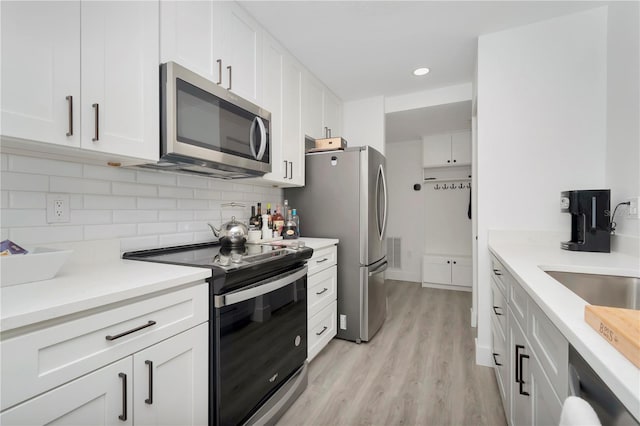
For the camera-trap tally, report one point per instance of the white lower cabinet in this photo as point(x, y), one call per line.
point(447, 270)
point(322, 305)
point(142, 363)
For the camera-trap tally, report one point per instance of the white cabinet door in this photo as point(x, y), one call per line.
point(312, 106)
point(519, 351)
point(436, 151)
point(171, 386)
point(461, 271)
point(102, 397)
point(240, 41)
point(187, 36)
point(461, 148)
point(332, 113)
point(436, 269)
point(40, 70)
point(292, 137)
point(272, 95)
point(120, 78)
point(547, 407)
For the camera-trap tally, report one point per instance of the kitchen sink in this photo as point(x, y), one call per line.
point(604, 290)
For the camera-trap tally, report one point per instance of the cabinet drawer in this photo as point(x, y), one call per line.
point(40, 360)
point(499, 307)
point(497, 272)
point(519, 302)
point(322, 328)
point(321, 290)
point(500, 361)
point(551, 349)
point(322, 259)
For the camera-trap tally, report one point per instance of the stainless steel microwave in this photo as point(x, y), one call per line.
point(207, 129)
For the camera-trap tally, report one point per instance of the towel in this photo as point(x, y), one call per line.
point(577, 412)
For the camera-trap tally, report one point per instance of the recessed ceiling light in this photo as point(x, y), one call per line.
point(421, 71)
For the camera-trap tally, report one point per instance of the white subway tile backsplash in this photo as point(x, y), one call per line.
point(139, 243)
point(79, 185)
point(242, 187)
point(203, 237)
point(192, 226)
point(4, 234)
point(220, 185)
point(204, 215)
point(135, 216)
point(156, 228)
point(193, 181)
point(175, 192)
point(76, 201)
point(175, 215)
point(24, 182)
point(90, 217)
point(24, 217)
point(4, 199)
point(231, 196)
point(193, 204)
point(118, 188)
point(207, 194)
point(4, 163)
point(40, 235)
point(26, 200)
point(156, 178)
point(100, 232)
point(156, 203)
point(92, 171)
point(108, 202)
point(42, 166)
point(175, 239)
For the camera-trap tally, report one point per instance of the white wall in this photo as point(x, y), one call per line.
point(143, 209)
point(363, 122)
point(406, 214)
point(623, 111)
point(427, 98)
point(541, 121)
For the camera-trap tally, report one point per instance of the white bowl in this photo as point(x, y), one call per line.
point(39, 264)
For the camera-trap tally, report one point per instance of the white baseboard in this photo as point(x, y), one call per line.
point(446, 287)
point(483, 355)
point(401, 276)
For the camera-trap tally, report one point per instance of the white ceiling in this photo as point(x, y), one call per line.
point(361, 49)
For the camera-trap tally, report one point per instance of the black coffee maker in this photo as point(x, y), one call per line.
point(590, 228)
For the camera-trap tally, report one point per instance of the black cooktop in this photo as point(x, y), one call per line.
point(231, 267)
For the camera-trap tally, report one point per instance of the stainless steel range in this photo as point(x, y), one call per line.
point(257, 326)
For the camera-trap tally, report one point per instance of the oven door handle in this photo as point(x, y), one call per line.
point(260, 288)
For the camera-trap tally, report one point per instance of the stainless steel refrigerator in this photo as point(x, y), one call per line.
point(345, 197)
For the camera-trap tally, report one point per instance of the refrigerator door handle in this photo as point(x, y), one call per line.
point(381, 180)
point(381, 268)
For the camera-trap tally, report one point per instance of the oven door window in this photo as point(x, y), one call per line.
point(206, 121)
point(263, 341)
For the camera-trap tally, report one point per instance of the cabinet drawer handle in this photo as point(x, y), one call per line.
point(123, 416)
point(521, 380)
point(229, 68)
point(70, 104)
point(322, 260)
point(323, 291)
point(133, 330)
point(96, 114)
point(323, 330)
point(497, 271)
point(286, 169)
point(495, 310)
point(219, 61)
point(150, 399)
point(495, 361)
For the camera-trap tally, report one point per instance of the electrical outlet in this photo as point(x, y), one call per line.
point(57, 208)
point(632, 210)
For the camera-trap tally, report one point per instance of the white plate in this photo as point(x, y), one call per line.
point(39, 264)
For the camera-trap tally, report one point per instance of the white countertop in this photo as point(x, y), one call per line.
point(88, 284)
point(319, 243)
point(527, 263)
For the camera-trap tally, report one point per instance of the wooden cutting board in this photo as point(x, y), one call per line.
point(620, 327)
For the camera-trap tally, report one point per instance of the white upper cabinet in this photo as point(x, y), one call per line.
point(332, 113)
point(292, 137)
point(120, 78)
point(312, 106)
point(187, 36)
point(41, 71)
point(447, 150)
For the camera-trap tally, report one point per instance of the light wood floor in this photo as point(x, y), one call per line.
point(418, 370)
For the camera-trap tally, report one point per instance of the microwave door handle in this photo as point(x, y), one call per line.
point(252, 141)
point(263, 139)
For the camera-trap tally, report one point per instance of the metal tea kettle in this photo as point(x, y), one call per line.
point(231, 233)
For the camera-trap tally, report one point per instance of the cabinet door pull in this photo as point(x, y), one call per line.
point(454, 262)
point(516, 361)
point(322, 260)
point(150, 399)
point(521, 380)
point(229, 68)
point(96, 114)
point(495, 361)
point(70, 105)
point(448, 161)
point(495, 310)
point(219, 61)
point(123, 416)
point(326, 132)
point(323, 291)
point(454, 161)
point(448, 262)
point(290, 169)
point(133, 330)
point(323, 330)
point(286, 169)
point(497, 272)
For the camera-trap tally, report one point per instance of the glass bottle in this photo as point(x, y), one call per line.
point(296, 219)
point(259, 215)
point(253, 220)
point(278, 221)
point(270, 223)
point(290, 230)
